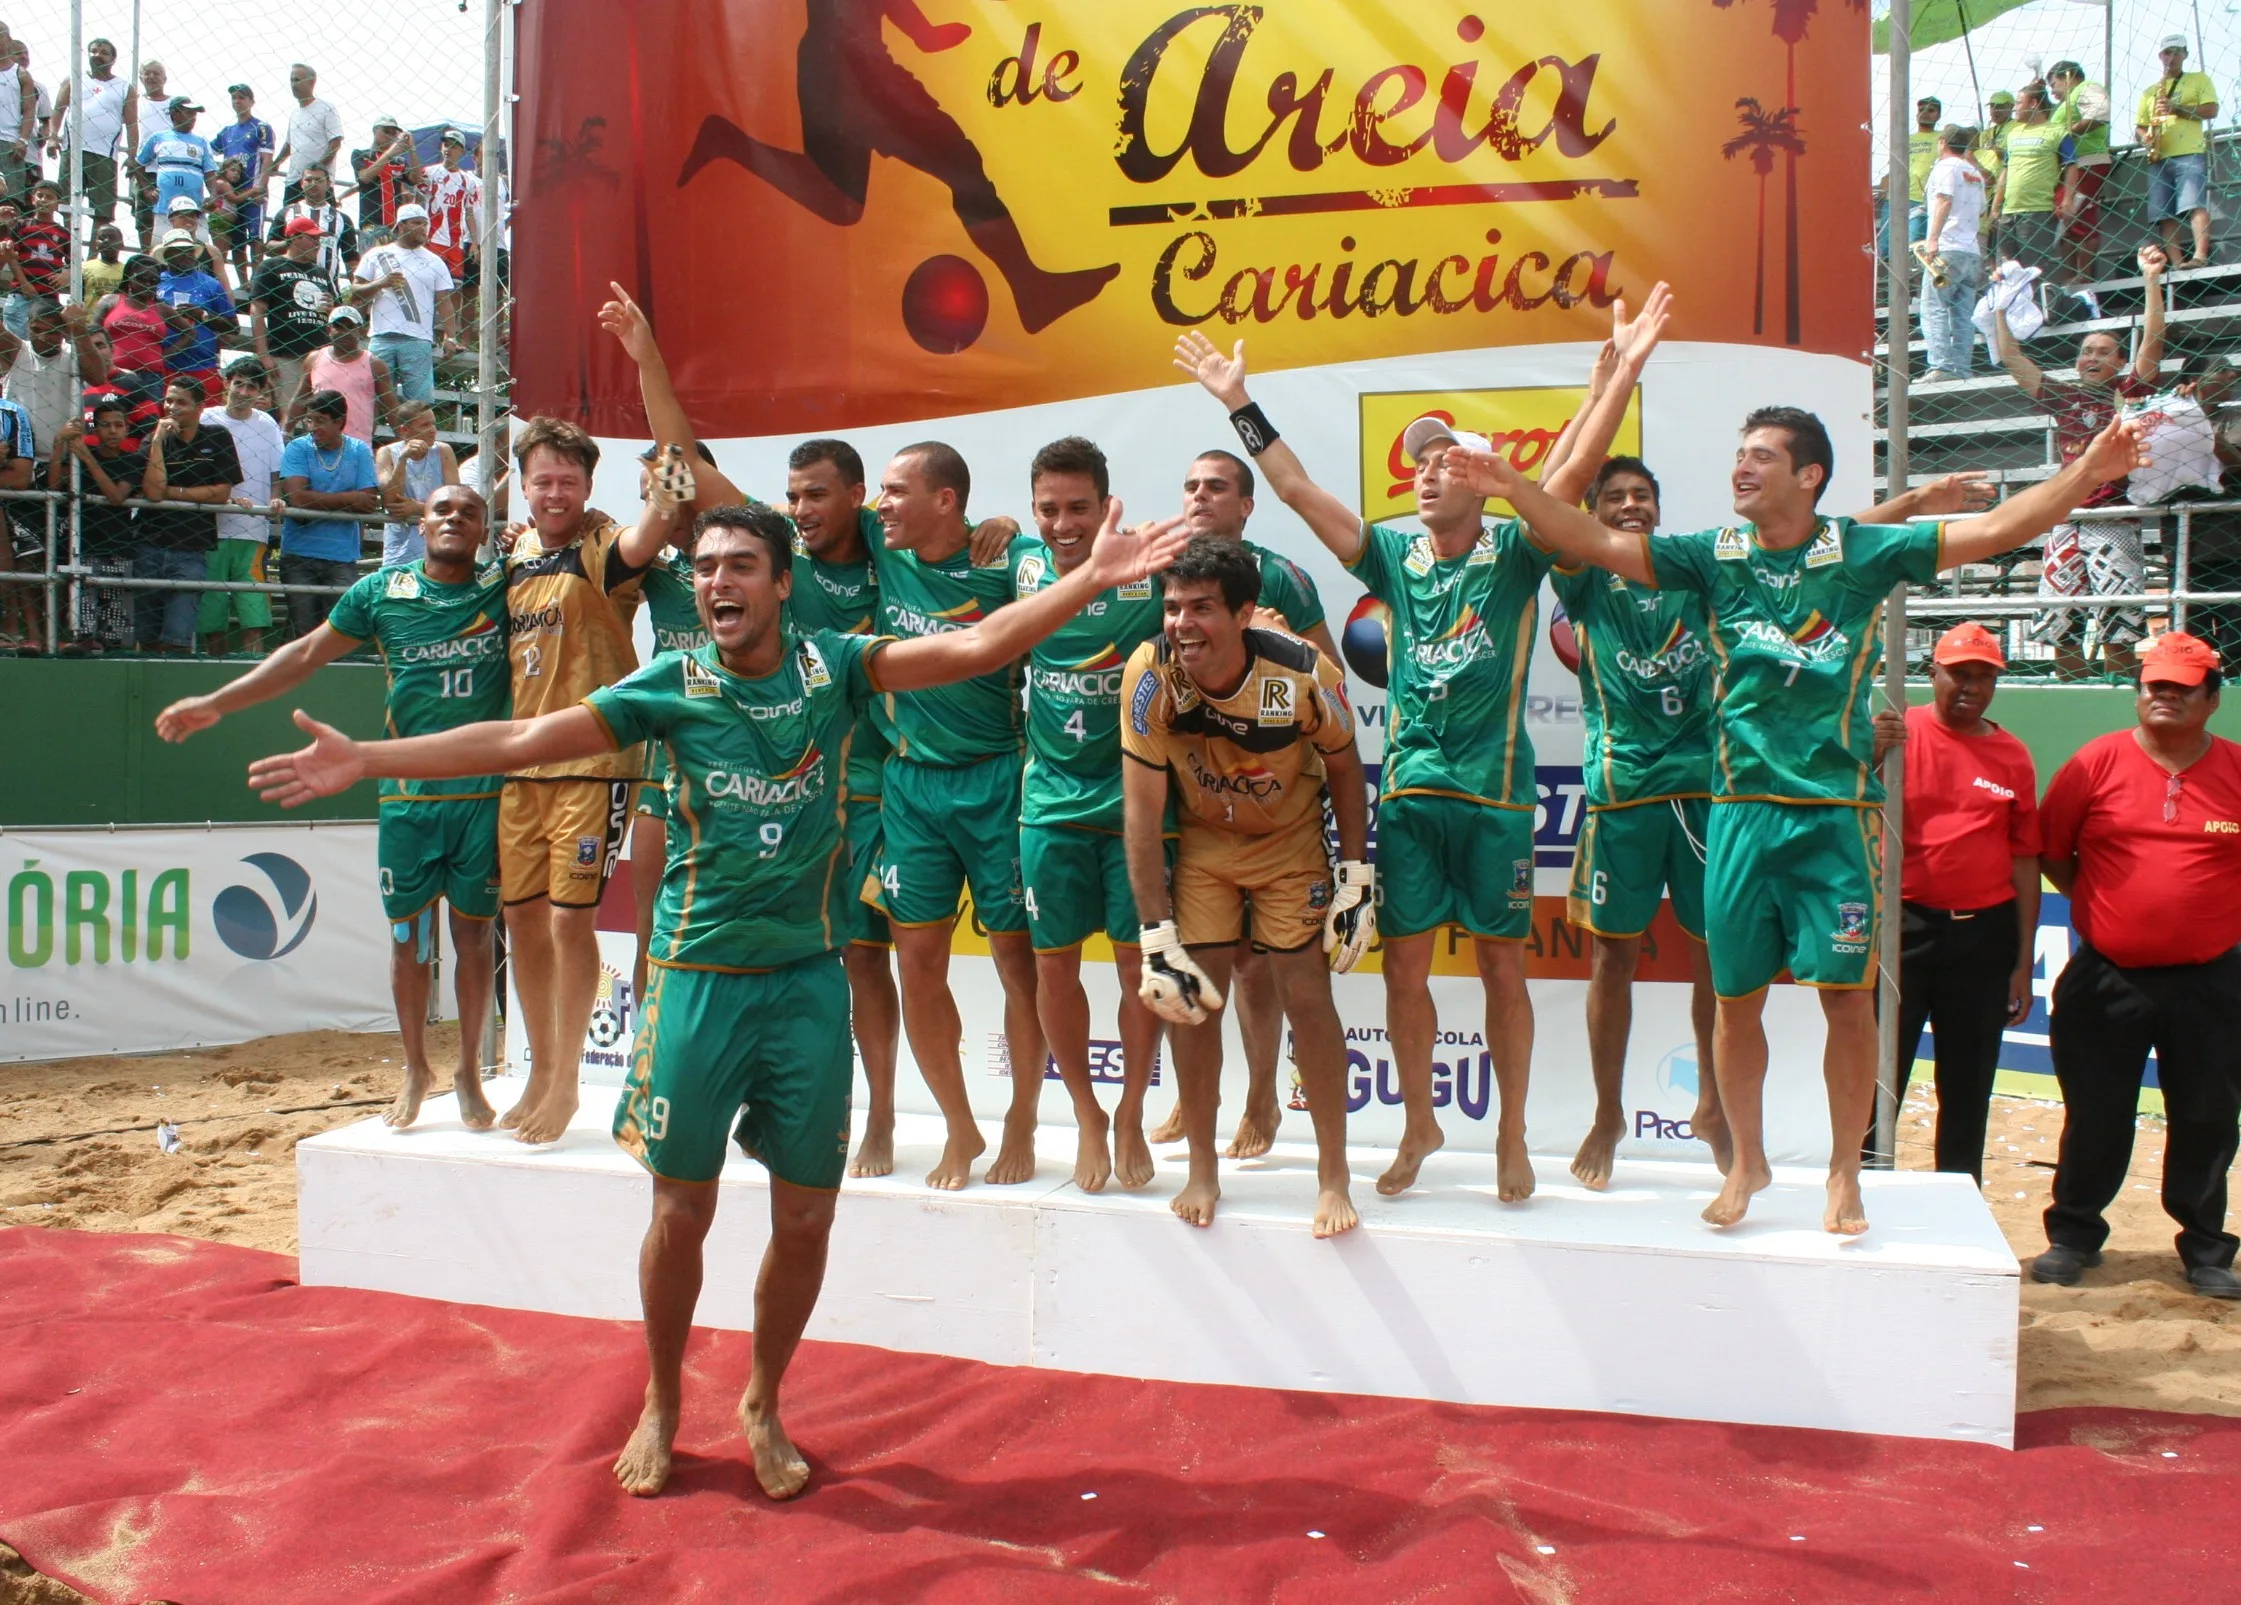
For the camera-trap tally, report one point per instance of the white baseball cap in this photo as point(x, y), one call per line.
point(182, 203)
point(1430, 429)
point(2172, 41)
point(412, 213)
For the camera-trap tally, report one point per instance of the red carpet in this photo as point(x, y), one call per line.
point(180, 1421)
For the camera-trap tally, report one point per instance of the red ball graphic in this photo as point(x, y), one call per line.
point(945, 304)
point(1560, 636)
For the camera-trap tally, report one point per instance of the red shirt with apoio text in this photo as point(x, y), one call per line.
point(1972, 809)
point(2149, 891)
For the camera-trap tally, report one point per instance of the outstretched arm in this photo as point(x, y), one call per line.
point(1335, 524)
point(669, 502)
point(2115, 452)
point(283, 671)
point(1576, 537)
point(1117, 558)
point(665, 415)
point(333, 762)
point(1631, 344)
point(1940, 498)
point(1568, 438)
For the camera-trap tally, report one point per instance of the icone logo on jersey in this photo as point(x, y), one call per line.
point(802, 783)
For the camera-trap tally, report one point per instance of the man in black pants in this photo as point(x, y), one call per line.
point(2142, 830)
point(1970, 885)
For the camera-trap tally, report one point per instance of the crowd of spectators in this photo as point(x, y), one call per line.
point(281, 302)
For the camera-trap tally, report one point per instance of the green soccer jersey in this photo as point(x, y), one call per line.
point(974, 719)
point(844, 598)
point(759, 863)
point(1073, 697)
point(1795, 639)
point(1286, 589)
point(1460, 643)
point(668, 589)
point(1645, 685)
point(445, 649)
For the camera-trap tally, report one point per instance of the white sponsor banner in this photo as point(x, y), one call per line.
point(138, 941)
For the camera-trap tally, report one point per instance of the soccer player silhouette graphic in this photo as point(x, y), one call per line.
point(857, 99)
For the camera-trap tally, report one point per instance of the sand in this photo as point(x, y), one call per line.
point(2132, 1334)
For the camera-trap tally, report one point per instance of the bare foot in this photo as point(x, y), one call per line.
point(643, 1466)
point(779, 1466)
point(1195, 1203)
point(1735, 1197)
point(1592, 1164)
point(512, 1118)
point(475, 1112)
point(1513, 1170)
point(1400, 1175)
point(1256, 1133)
point(405, 1108)
point(1170, 1129)
point(875, 1155)
point(1093, 1160)
point(548, 1122)
point(1847, 1213)
point(1015, 1158)
point(1132, 1156)
point(955, 1168)
point(1334, 1212)
point(1711, 1127)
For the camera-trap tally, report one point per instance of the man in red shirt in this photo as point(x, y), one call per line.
point(2142, 831)
point(1969, 885)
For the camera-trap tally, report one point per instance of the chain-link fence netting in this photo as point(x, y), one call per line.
point(2068, 201)
point(294, 212)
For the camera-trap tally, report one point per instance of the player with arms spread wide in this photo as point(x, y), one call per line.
point(1794, 846)
point(748, 1012)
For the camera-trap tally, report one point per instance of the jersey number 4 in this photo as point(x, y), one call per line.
point(1074, 726)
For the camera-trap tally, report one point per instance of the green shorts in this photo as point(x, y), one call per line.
point(944, 830)
point(1630, 858)
point(1076, 885)
point(239, 561)
point(1451, 861)
point(443, 848)
point(866, 925)
point(1791, 884)
point(769, 1046)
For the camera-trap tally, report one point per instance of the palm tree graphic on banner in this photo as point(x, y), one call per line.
point(1764, 133)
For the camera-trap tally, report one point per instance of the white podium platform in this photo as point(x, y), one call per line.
point(1618, 1301)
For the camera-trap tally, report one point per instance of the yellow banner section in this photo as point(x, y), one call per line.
point(1522, 424)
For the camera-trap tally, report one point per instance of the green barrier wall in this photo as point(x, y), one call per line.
point(82, 748)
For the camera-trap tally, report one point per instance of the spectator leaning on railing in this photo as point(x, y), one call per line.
point(323, 471)
point(2169, 128)
point(1951, 252)
point(243, 536)
point(2142, 832)
point(19, 548)
point(2102, 556)
point(412, 468)
point(186, 463)
point(46, 372)
point(111, 473)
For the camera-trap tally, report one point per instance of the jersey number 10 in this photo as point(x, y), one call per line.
point(457, 682)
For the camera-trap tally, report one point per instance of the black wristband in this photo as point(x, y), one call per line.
point(1253, 428)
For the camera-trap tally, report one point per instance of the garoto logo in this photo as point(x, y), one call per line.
point(250, 923)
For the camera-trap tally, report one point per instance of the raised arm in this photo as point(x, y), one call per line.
point(665, 415)
point(283, 671)
point(2115, 452)
point(1577, 537)
point(1336, 525)
point(1631, 344)
point(2147, 362)
point(1568, 438)
point(669, 502)
point(333, 762)
point(2020, 368)
point(1117, 558)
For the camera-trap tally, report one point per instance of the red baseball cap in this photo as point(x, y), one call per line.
point(2178, 657)
point(1969, 643)
point(301, 225)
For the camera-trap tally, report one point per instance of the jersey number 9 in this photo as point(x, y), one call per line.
point(773, 836)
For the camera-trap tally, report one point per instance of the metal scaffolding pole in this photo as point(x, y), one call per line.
point(1896, 329)
point(489, 452)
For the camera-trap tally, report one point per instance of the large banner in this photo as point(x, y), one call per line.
point(987, 221)
point(142, 941)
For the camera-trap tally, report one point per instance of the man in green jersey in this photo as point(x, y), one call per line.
point(747, 1016)
point(439, 624)
point(1072, 857)
point(949, 817)
point(1794, 844)
point(1218, 500)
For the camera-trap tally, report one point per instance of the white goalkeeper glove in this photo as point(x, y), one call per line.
point(1351, 925)
point(1173, 987)
point(673, 484)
